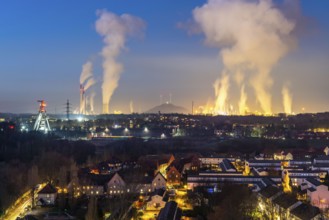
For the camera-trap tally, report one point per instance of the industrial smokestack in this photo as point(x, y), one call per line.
point(253, 37)
point(114, 29)
point(82, 92)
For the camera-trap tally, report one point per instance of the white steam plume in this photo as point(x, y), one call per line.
point(87, 72)
point(86, 81)
point(252, 35)
point(131, 106)
point(287, 100)
point(114, 30)
point(91, 102)
point(89, 83)
point(221, 87)
point(243, 101)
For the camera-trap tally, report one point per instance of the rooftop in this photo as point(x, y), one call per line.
point(170, 212)
point(305, 211)
point(285, 200)
point(322, 157)
point(313, 181)
point(48, 189)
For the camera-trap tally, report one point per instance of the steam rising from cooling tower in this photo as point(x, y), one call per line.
point(253, 36)
point(221, 91)
point(131, 106)
point(90, 102)
point(86, 81)
point(287, 100)
point(114, 29)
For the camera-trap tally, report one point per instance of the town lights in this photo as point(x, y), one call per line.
point(146, 130)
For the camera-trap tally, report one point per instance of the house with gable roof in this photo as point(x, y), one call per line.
point(156, 200)
point(47, 195)
point(159, 182)
point(116, 185)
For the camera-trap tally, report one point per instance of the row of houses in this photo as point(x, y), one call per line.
point(148, 174)
point(279, 205)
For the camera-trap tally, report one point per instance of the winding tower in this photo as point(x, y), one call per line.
point(42, 124)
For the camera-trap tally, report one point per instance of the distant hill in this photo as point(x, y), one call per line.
point(168, 108)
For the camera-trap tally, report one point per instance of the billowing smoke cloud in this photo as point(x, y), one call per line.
point(287, 100)
point(114, 30)
point(253, 36)
point(86, 81)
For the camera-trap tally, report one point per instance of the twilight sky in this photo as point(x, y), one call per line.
point(43, 45)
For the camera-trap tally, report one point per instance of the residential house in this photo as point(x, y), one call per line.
point(116, 185)
point(317, 193)
point(173, 176)
point(159, 182)
point(156, 200)
point(90, 184)
point(47, 195)
point(136, 180)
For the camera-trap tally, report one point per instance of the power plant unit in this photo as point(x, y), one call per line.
point(42, 124)
point(82, 100)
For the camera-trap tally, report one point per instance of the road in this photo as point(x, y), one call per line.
point(20, 204)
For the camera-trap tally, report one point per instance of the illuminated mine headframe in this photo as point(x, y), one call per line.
point(41, 123)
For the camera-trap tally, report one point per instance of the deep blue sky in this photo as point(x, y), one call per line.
point(43, 45)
